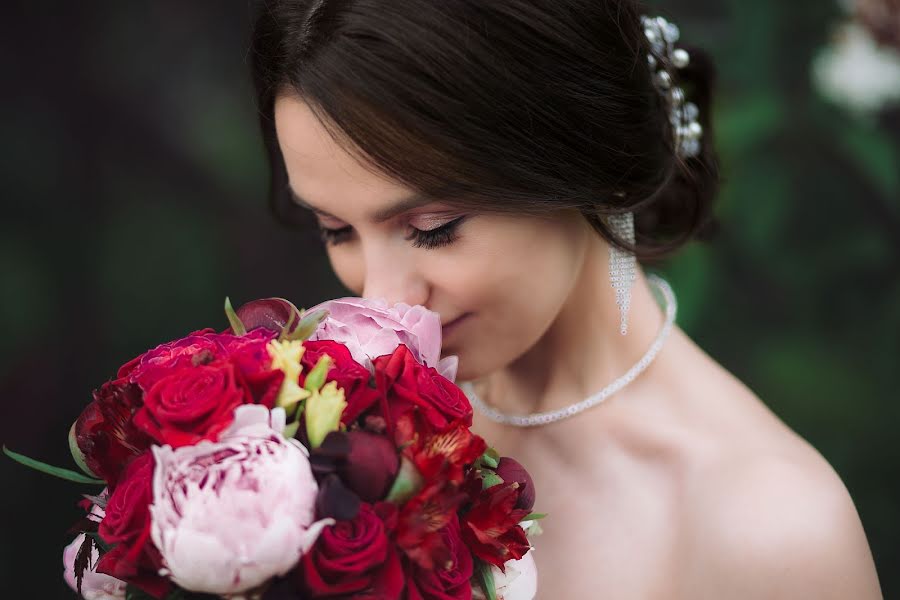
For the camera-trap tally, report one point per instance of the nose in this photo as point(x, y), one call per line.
point(395, 280)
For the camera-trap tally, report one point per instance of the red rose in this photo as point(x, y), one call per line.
point(191, 404)
point(126, 524)
point(105, 432)
point(199, 347)
point(263, 386)
point(491, 527)
point(350, 376)
point(405, 383)
point(449, 581)
point(353, 557)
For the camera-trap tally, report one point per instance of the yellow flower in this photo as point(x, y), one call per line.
point(286, 357)
point(323, 412)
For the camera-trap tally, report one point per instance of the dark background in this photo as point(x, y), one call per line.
point(134, 201)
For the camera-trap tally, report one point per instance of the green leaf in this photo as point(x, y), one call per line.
point(490, 458)
point(290, 430)
point(534, 516)
point(486, 579)
point(490, 479)
point(407, 482)
point(308, 325)
point(285, 331)
point(236, 324)
point(50, 469)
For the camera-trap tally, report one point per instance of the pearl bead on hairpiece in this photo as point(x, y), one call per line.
point(663, 59)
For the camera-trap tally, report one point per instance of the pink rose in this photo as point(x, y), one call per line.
point(372, 328)
point(94, 586)
point(228, 516)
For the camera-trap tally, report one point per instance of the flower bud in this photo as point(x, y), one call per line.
point(372, 465)
point(510, 470)
point(77, 454)
point(271, 313)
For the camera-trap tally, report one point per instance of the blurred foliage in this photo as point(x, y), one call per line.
point(134, 203)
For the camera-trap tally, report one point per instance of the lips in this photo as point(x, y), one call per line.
point(454, 323)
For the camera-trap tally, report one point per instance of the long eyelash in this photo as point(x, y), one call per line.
point(433, 238)
point(334, 236)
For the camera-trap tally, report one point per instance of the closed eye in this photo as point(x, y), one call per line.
point(431, 238)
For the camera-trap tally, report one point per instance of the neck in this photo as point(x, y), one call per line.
point(583, 350)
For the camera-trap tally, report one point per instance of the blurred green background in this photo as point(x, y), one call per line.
point(134, 201)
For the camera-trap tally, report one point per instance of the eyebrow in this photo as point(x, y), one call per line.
point(379, 216)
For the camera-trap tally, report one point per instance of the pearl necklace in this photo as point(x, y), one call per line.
point(542, 418)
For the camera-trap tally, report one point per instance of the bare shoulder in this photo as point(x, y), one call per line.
point(776, 525)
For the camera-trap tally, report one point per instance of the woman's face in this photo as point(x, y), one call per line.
point(507, 276)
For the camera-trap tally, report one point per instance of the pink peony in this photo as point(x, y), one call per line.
point(94, 586)
point(227, 516)
point(372, 328)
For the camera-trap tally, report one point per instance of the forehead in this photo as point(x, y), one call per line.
point(320, 170)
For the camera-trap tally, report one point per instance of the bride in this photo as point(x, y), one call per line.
point(511, 164)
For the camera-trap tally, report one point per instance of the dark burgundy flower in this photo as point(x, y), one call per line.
point(105, 431)
point(510, 470)
point(367, 463)
point(371, 466)
point(335, 500)
point(271, 313)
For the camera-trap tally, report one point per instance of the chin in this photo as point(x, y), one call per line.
point(465, 370)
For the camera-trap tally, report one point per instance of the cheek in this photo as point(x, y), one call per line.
point(524, 272)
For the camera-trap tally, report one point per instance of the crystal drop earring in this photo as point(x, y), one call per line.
point(622, 264)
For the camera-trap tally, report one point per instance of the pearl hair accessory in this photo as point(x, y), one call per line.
point(663, 60)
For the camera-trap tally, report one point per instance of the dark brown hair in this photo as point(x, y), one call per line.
point(523, 106)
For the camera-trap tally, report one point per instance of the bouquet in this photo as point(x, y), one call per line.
point(296, 454)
